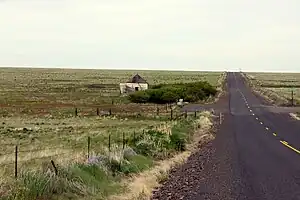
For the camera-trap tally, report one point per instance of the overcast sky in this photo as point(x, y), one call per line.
point(256, 35)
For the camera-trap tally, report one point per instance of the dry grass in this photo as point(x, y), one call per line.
point(142, 185)
point(37, 109)
point(63, 140)
point(58, 91)
point(277, 87)
point(220, 86)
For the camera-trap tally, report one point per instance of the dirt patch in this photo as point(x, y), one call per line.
point(100, 86)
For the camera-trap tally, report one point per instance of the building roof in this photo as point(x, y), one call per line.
point(137, 79)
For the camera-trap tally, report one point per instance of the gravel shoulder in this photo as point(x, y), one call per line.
point(189, 181)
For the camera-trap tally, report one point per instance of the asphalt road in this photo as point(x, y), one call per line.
point(257, 152)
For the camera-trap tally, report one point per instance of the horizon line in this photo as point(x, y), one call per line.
point(142, 69)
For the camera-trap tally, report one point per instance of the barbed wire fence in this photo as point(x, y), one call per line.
point(18, 164)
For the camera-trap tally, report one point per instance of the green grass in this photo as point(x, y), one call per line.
point(76, 181)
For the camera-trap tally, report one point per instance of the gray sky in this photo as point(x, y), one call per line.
point(257, 35)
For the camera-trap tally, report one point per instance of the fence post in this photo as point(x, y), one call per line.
point(97, 111)
point(195, 114)
point(123, 140)
point(76, 112)
point(55, 169)
point(157, 110)
point(110, 111)
point(16, 162)
point(171, 114)
point(292, 97)
point(109, 138)
point(185, 114)
point(88, 147)
point(220, 118)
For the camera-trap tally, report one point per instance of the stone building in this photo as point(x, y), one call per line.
point(136, 83)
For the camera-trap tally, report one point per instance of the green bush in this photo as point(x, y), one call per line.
point(139, 97)
point(178, 141)
point(163, 93)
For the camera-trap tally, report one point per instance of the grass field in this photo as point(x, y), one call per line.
point(278, 86)
point(37, 115)
point(58, 91)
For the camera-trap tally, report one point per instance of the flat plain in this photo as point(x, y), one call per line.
point(37, 109)
point(280, 85)
point(59, 91)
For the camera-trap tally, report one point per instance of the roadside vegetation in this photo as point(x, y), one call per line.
point(278, 88)
point(99, 176)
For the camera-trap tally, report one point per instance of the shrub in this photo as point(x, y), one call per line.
point(139, 97)
point(178, 141)
point(163, 93)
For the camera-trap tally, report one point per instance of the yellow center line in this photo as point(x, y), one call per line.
point(267, 128)
point(289, 146)
point(274, 134)
point(256, 118)
point(261, 123)
point(253, 114)
point(284, 142)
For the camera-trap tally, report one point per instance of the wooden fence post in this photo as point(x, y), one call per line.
point(123, 140)
point(55, 169)
point(171, 114)
point(16, 162)
point(195, 114)
point(185, 114)
point(109, 138)
point(98, 112)
point(157, 110)
point(110, 112)
point(292, 97)
point(88, 147)
point(76, 112)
